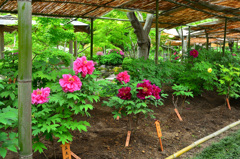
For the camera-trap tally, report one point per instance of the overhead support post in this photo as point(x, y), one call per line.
point(182, 44)
point(24, 78)
point(71, 52)
point(237, 45)
point(207, 39)
point(189, 38)
point(1, 42)
point(224, 40)
point(75, 48)
point(91, 38)
point(157, 43)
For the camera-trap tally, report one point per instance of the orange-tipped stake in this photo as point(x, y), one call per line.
point(120, 113)
point(179, 116)
point(128, 138)
point(229, 107)
point(159, 132)
point(66, 152)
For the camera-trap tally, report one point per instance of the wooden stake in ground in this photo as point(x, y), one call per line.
point(179, 116)
point(128, 138)
point(159, 132)
point(175, 105)
point(67, 153)
point(228, 104)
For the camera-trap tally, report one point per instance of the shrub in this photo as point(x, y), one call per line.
point(111, 59)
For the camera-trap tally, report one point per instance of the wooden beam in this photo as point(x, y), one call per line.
point(91, 38)
point(156, 53)
point(98, 7)
point(24, 78)
point(224, 40)
point(201, 10)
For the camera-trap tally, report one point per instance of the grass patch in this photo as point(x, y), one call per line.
point(227, 148)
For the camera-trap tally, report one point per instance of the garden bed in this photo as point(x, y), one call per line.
point(106, 137)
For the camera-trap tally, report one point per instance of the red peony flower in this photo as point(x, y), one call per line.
point(81, 65)
point(39, 96)
point(194, 53)
point(234, 54)
point(146, 91)
point(123, 76)
point(155, 91)
point(175, 53)
point(70, 83)
point(177, 58)
point(124, 93)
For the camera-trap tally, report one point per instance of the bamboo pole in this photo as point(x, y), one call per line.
point(157, 46)
point(200, 141)
point(71, 52)
point(1, 42)
point(182, 44)
point(24, 78)
point(91, 38)
point(207, 39)
point(224, 40)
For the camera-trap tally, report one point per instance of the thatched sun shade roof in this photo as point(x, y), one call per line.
point(192, 41)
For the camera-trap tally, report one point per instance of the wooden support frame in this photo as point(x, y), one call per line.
point(207, 39)
point(25, 78)
point(189, 38)
point(1, 42)
point(71, 52)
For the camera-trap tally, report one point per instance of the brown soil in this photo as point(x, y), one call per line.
point(106, 137)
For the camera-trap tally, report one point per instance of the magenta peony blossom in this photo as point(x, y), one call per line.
point(70, 83)
point(177, 58)
point(155, 91)
point(100, 53)
point(194, 53)
point(39, 96)
point(146, 91)
point(124, 93)
point(121, 52)
point(175, 53)
point(123, 76)
point(81, 65)
point(234, 54)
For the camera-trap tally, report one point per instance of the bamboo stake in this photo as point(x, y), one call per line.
point(200, 141)
point(1, 42)
point(24, 78)
point(75, 48)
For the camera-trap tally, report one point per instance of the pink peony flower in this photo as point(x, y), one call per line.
point(155, 91)
point(175, 53)
point(39, 96)
point(194, 53)
point(70, 83)
point(234, 54)
point(124, 93)
point(81, 65)
point(121, 52)
point(123, 76)
point(177, 58)
point(146, 91)
point(100, 53)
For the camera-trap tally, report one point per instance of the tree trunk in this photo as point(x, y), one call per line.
point(230, 44)
point(141, 33)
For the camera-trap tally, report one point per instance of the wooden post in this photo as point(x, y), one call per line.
point(14, 42)
point(24, 78)
point(182, 44)
point(156, 54)
point(1, 42)
point(91, 38)
point(224, 40)
point(189, 38)
point(237, 45)
point(71, 52)
point(75, 48)
point(207, 39)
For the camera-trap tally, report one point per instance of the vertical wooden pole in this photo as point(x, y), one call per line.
point(1, 42)
point(71, 52)
point(75, 48)
point(182, 44)
point(24, 78)
point(207, 39)
point(91, 38)
point(156, 54)
point(14, 42)
point(224, 40)
point(189, 38)
point(237, 45)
